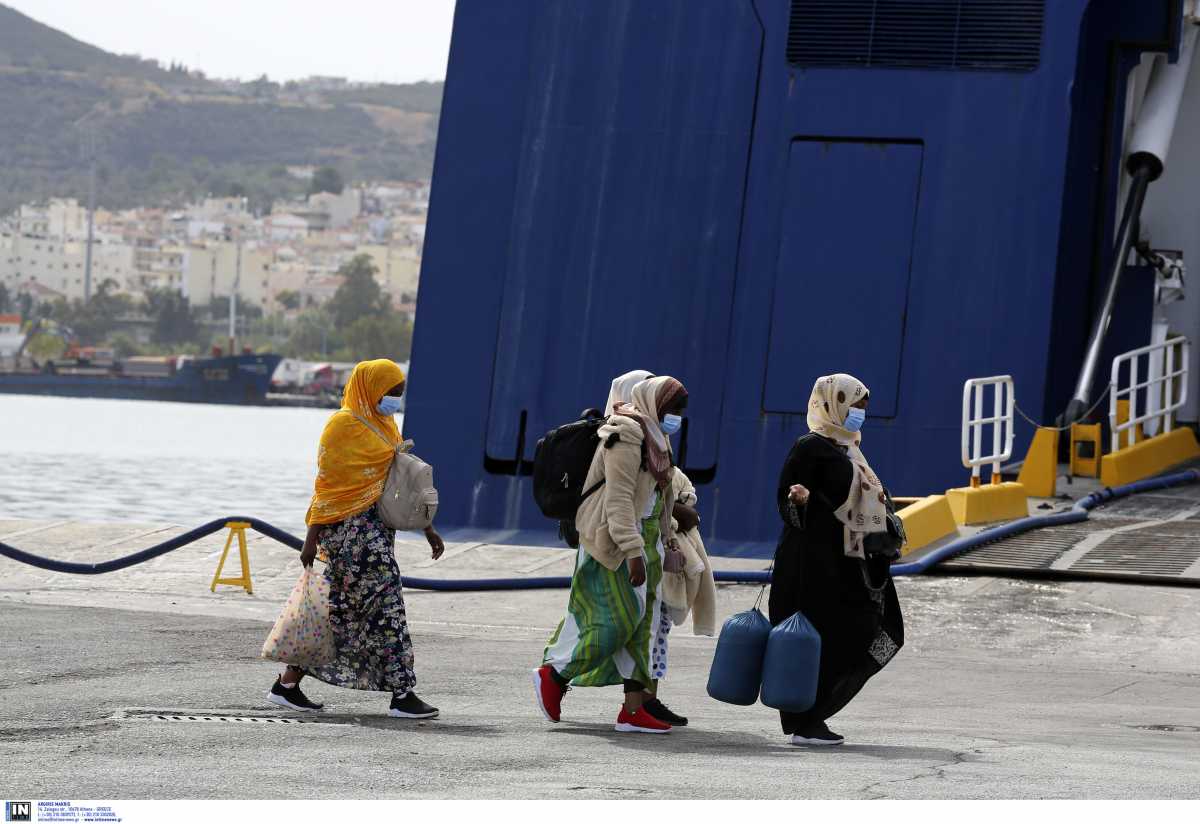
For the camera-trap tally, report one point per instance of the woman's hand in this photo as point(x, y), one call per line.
point(436, 544)
point(308, 553)
point(798, 494)
point(687, 517)
point(637, 571)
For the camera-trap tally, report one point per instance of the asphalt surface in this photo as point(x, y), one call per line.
point(1006, 689)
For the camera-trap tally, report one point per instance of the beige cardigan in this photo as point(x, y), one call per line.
point(694, 589)
point(610, 520)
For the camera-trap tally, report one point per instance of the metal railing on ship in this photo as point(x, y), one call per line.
point(1161, 393)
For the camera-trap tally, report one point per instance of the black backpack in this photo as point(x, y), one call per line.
point(560, 466)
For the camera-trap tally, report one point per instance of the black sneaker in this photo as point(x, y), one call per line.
point(410, 706)
point(292, 698)
point(660, 711)
point(818, 735)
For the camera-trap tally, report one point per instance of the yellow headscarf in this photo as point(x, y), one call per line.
point(353, 461)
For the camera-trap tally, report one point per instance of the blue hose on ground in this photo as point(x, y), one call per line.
point(1079, 512)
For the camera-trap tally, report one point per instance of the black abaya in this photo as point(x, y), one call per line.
point(860, 623)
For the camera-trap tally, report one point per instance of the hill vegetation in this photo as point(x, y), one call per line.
point(170, 135)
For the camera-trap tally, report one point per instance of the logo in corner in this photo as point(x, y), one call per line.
point(18, 811)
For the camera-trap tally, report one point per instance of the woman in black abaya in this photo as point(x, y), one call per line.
point(830, 501)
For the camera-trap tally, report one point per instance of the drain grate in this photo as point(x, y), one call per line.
point(1165, 727)
point(236, 719)
point(220, 717)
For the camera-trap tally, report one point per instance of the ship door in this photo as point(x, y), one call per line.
point(625, 220)
point(842, 282)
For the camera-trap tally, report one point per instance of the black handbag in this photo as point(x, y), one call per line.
point(886, 544)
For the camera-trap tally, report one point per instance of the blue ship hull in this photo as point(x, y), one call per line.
point(243, 379)
point(677, 186)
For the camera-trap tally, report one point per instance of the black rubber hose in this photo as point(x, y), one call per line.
point(1077, 513)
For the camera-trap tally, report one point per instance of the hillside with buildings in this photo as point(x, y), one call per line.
point(302, 199)
point(171, 135)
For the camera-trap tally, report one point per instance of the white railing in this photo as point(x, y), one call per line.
point(1161, 393)
point(975, 419)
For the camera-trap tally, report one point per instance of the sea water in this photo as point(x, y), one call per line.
point(155, 462)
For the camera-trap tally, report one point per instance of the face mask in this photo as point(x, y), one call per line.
point(854, 419)
point(390, 405)
point(670, 424)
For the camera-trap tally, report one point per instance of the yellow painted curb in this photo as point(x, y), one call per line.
point(988, 503)
point(927, 520)
point(1148, 457)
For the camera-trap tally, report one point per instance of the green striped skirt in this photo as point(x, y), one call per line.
point(605, 636)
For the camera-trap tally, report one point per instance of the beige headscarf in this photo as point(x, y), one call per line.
point(650, 398)
point(622, 389)
point(865, 510)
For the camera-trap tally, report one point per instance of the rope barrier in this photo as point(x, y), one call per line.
point(1078, 512)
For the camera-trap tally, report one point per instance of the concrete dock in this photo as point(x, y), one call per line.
point(143, 684)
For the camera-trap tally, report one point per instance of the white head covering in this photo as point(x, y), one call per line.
point(622, 388)
point(650, 396)
point(865, 510)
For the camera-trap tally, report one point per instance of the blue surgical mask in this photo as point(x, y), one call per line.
point(855, 419)
point(390, 405)
point(671, 423)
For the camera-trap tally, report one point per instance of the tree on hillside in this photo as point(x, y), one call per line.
point(25, 305)
point(174, 321)
point(382, 336)
point(312, 336)
point(326, 179)
point(93, 321)
point(288, 299)
point(359, 296)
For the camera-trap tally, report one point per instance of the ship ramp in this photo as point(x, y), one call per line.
point(1152, 537)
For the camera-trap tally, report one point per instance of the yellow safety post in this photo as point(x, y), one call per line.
point(1039, 472)
point(1129, 436)
point(1086, 450)
point(237, 528)
point(926, 521)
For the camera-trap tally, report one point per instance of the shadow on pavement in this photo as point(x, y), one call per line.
point(689, 739)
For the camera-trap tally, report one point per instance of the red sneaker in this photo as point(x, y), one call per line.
point(548, 693)
point(639, 721)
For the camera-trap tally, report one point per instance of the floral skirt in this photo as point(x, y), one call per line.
point(366, 607)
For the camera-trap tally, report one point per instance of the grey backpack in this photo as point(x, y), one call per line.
point(409, 499)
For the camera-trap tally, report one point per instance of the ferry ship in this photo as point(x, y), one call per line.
point(748, 194)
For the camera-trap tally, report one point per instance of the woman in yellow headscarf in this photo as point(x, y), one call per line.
point(366, 602)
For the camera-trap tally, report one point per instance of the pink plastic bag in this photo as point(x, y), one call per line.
point(302, 636)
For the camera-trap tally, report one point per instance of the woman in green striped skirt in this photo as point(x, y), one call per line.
point(612, 609)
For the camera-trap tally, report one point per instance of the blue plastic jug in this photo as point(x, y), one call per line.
point(737, 666)
point(791, 665)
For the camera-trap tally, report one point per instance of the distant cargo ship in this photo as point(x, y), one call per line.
point(238, 379)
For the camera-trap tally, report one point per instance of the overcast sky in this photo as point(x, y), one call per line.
point(374, 40)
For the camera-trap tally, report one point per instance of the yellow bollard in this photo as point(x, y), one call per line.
point(1039, 473)
point(1086, 450)
point(237, 528)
